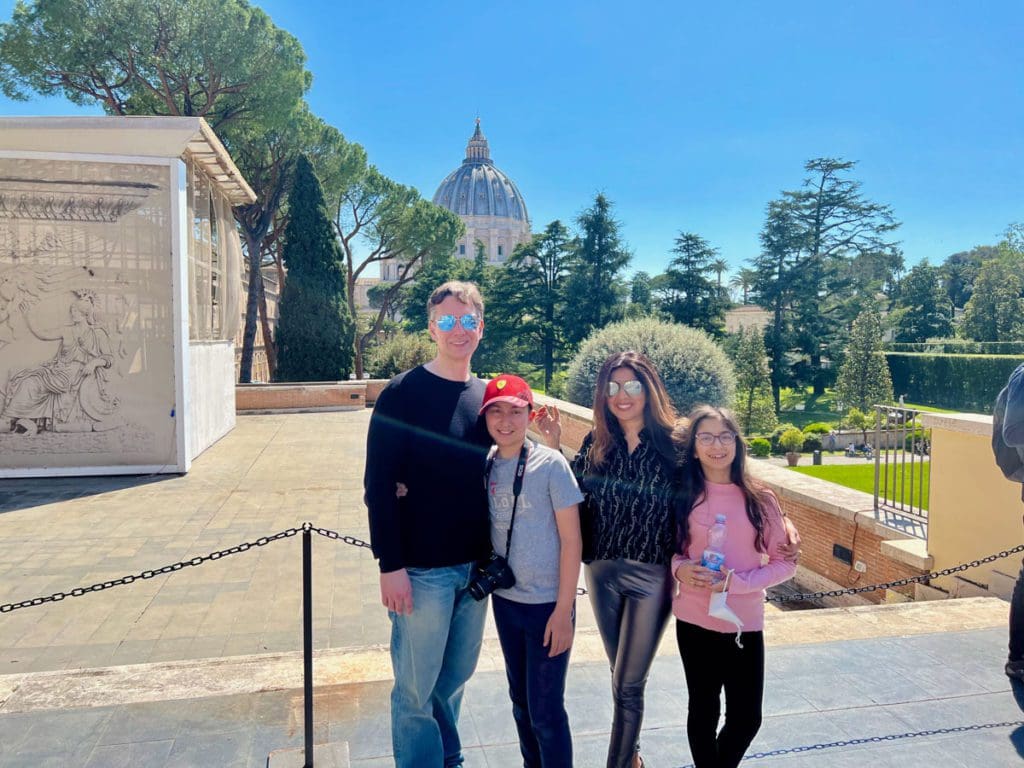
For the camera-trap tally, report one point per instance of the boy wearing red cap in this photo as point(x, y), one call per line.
point(533, 499)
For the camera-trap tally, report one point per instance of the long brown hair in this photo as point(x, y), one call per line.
point(659, 413)
point(693, 486)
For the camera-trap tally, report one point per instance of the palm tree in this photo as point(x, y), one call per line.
point(743, 281)
point(718, 266)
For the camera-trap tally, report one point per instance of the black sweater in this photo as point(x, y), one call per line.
point(425, 432)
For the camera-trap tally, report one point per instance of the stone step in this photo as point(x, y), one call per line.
point(333, 755)
point(965, 588)
point(1001, 584)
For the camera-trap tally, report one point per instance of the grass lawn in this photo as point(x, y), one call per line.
point(801, 407)
point(861, 477)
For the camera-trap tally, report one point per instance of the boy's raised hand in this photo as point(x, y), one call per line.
point(548, 423)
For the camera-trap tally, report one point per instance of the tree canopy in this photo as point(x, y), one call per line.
point(223, 60)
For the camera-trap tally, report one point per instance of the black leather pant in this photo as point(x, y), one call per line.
point(632, 602)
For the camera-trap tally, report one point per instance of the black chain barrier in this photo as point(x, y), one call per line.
point(874, 740)
point(262, 541)
point(357, 542)
point(898, 582)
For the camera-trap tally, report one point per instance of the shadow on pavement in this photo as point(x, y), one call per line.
point(25, 493)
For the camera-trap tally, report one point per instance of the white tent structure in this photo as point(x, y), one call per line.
point(120, 282)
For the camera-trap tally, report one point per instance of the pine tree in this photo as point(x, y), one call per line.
point(315, 333)
point(696, 299)
point(864, 379)
point(926, 310)
point(755, 407)
point(596, 289)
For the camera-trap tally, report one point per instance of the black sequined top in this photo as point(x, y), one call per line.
point(629, 502)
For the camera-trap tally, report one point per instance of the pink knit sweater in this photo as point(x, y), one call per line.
point(753, 571)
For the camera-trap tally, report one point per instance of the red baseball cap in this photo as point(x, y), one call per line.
point(507, 389)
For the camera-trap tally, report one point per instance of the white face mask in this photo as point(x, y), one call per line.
point(719, 609)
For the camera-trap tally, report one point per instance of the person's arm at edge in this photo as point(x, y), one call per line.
point(558, 633)
point(383, 445)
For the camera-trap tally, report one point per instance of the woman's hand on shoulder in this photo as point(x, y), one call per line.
point(548, 424)
point(790, 548)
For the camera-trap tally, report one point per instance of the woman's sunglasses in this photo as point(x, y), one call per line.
point(632, 388)
point(446, 323)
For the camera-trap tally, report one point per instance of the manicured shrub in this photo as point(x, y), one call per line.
point(958, 347)
point(779, 431)
point(760, 447)
point(963, 382)
point(918, 435)
point(792, 440)
point(819, 428)
point(692, 366)
point(812, 442)
point(399, 353)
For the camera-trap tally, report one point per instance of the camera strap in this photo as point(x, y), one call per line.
point(517, 485)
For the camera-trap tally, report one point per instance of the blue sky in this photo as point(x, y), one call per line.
point(687, 117)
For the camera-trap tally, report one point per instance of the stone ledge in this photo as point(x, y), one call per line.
point(300, 396)
point(967, 423)
point(912, 552)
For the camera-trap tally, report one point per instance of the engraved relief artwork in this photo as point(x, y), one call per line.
point(86, 343)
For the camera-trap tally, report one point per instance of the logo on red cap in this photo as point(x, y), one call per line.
point(507, 389)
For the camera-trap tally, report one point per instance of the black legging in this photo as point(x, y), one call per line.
point(711, 661)
point(631, 603)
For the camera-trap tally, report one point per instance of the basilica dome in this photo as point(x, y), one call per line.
point(488, 202)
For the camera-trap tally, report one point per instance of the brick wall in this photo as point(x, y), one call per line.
point(299, 397)
point(820, 530)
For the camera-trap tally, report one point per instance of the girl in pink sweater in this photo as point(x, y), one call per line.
point(714, 654)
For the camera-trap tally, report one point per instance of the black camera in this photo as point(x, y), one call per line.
point(491, 574)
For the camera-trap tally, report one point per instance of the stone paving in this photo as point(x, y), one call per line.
point(198, 667)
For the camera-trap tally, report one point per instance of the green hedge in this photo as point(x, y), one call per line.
point(760, 447)
point(957, 382)
point(958, 347)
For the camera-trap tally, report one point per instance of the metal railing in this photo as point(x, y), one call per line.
point(902, 451)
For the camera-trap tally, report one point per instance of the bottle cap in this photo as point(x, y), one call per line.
point(719, 518)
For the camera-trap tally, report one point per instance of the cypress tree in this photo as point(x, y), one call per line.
point(755, 407)
point(864, 380)
point(316, 332)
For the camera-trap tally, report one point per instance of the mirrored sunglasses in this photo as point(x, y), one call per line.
point(631, 388)
point(725, 438)
point(446, 323)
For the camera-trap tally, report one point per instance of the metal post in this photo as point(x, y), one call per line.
point(307, 641)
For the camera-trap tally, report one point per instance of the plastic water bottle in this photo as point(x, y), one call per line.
point(713, 556)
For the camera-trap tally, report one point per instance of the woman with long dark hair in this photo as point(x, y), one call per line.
point(626, 468)
point(712, 605)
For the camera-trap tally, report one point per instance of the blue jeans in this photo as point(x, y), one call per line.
point(536, 683)
point(434, 651)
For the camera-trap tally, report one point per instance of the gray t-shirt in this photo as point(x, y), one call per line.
point(548, 484)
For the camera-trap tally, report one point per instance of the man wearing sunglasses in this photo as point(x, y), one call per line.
point(425, 434)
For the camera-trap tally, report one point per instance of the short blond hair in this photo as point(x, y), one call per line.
point(466, 292)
